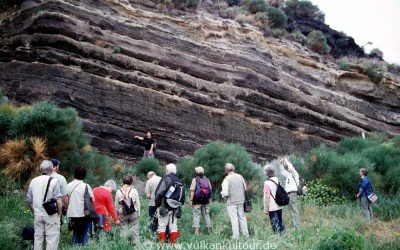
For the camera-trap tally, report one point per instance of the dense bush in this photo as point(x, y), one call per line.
point(342, 240)
point(388, 207)
point(213, 157)
point(317, 42)
point(338, 167)
point(62, 130)
point(299, 37)
point(277, 18)
point(146, 165)
point(375, 71)
point(376, 53)
point(262, 18)
point(303, 9)
point(255, 6)
point(321, 194)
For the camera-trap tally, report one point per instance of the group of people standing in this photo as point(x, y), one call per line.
point(164, 206)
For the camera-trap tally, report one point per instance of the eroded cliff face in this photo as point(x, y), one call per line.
point(191, 79)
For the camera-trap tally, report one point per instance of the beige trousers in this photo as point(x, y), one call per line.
point(47, 229)
point(198, 211)
point(130, 224)
point(167, 220)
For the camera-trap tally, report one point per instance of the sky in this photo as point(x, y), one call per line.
point(377, 21)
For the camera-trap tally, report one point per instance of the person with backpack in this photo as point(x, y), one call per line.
point(149, 144)
point(274, 198)
point(200, 199)
point(169, 198)
point(292, 184)
point(364, 191)
point(233, 190)
point(43, 189)
point(104, 205)
point(127, 204)
point(79, 223)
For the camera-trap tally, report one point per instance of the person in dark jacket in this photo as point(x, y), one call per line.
point(364, 190)
point(167, 216)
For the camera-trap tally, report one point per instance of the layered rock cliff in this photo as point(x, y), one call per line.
point(191, 79)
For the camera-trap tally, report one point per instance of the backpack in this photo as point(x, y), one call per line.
point(175, 196)
point(281, 198)
point(203, 191)
point(128, 206)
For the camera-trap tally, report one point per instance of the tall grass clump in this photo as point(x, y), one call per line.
point(344, 64)
point(213, 157)
point(375, 71)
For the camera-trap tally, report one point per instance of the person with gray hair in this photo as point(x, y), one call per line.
point(271, 209)
point(364, 190)
point(47, 227)
point(167, 214)
point(104, 205)
point(233, 188)
point(151, 184)
point(200, 199)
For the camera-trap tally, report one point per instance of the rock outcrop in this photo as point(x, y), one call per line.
point(191, 79)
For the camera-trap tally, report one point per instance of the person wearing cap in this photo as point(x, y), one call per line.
point(291, 183)
point(200, 206)
point(233, 188)
point(63, 185)
point(152, 182)
point(47, 227)
point(80, 223)
point(103, 204)
point(271, 209)
point(364, 190)
point(167, 216)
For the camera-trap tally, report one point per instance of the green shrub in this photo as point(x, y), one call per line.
point(278, 32)
point(7, 185)
point(146, 165)
point(233, 2)
point(255, 6)
point(63, 133)
point(303, 10)
point(192, 4)
point(213, 157)
point(321, 194)
point(342, 240)
point(277, 18)
point(376, 53)
point(299, 37)
point(375, 71)
point(344, 64)
point(317, 42)
point(263, 18)
point(388, 207)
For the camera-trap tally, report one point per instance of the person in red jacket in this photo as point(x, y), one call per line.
point(104, 206)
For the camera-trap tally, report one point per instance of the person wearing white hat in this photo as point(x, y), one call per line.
point(200, 199)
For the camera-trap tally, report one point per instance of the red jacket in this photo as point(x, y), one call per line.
point(103, 204)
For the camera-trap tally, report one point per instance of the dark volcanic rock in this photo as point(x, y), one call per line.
point(192, 79)
point(341, 44)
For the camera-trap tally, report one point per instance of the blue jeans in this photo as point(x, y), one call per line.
point(81, 230)
point(276, 221)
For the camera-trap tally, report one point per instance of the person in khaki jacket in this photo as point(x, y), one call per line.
point(47, 227)
point(233, 188)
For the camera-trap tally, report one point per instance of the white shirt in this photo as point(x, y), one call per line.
point(151, 186)
point(273, 187)
point(63, 183)
point(292, 177)
point(37, 190)
point(76, 192)
point(125, 194)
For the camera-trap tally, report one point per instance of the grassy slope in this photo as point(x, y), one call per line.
point(317, 223)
